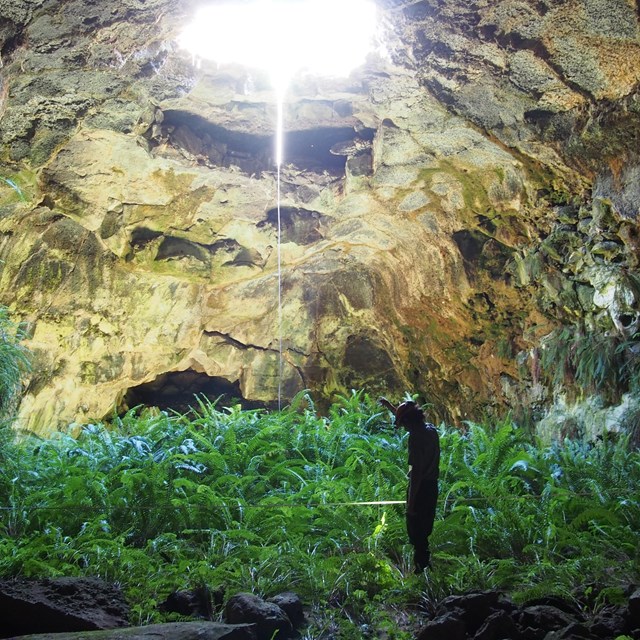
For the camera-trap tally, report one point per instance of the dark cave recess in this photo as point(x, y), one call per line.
point(324, 149)
point(178, 391)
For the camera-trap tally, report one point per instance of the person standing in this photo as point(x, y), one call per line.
point(424, 469)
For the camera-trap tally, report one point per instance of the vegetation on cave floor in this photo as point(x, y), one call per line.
point(263, 502)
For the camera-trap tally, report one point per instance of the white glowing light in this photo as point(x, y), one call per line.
point(323, 37)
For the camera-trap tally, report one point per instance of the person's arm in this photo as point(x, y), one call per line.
point(385, 403)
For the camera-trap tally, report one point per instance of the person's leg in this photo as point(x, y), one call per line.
point(420, 525)
point(429, 502)
point(419, 539)
point(422, 557)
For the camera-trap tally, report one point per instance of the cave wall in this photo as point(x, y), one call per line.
point(443, 209)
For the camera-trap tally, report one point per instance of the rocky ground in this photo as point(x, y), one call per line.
point(70, 609)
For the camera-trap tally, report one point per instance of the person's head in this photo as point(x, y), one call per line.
point(409, 415)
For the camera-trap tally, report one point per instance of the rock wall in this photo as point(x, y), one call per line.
point(442, 210)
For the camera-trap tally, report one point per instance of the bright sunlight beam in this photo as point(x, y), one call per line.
point(323, 37)
point(282, 37)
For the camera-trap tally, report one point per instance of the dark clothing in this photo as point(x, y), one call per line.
point(422, 493)
point(420, 523)
point(424, 452)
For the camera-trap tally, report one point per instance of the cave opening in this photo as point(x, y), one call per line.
point(178, 391)
point(312, 150)
point(284, 38)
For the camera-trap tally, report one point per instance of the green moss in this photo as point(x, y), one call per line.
point(88, 374)
point(504, 348)
point(527, 268)
point(173, 182)
point(18, 186)
point(42, 272)
point(44, 145)
point(184, 203)
point(186, 273)
point(109, 368)
point(474, 185)
point(473, 191)
point(612, 138)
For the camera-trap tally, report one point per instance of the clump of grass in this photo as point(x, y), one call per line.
point(266, 502)
point(592, 362)
point(14, 362)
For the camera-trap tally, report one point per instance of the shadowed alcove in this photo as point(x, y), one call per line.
point(178, 391)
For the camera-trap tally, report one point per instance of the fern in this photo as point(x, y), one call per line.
point(591, 361)
point(264, 501)
point(15, 362)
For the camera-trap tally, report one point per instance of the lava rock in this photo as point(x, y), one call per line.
point(60, 605)
point(291, 604)
point(445, 627)
point(497, 626)
point(544, 617)
point(609, 623)
point(268, 617)
point(198, 603)
point(169, 631)
point(633, 610)
point(476, 607)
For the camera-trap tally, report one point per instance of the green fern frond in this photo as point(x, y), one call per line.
point(594, 514)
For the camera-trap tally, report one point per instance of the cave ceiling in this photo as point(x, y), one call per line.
point(442, 209)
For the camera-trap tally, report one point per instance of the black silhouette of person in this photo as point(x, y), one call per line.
point(424, 469)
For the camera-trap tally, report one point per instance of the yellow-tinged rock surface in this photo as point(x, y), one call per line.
point(441, 210)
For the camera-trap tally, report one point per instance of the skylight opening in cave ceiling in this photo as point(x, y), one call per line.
point(327, 38)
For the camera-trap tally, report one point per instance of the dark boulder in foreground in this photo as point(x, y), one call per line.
point(169, 631)
point(200, 602)
point(268, 616)
point(57, 609)
point(87, 608)
point(291, 604)
point(60, 605)
point(489, 615)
